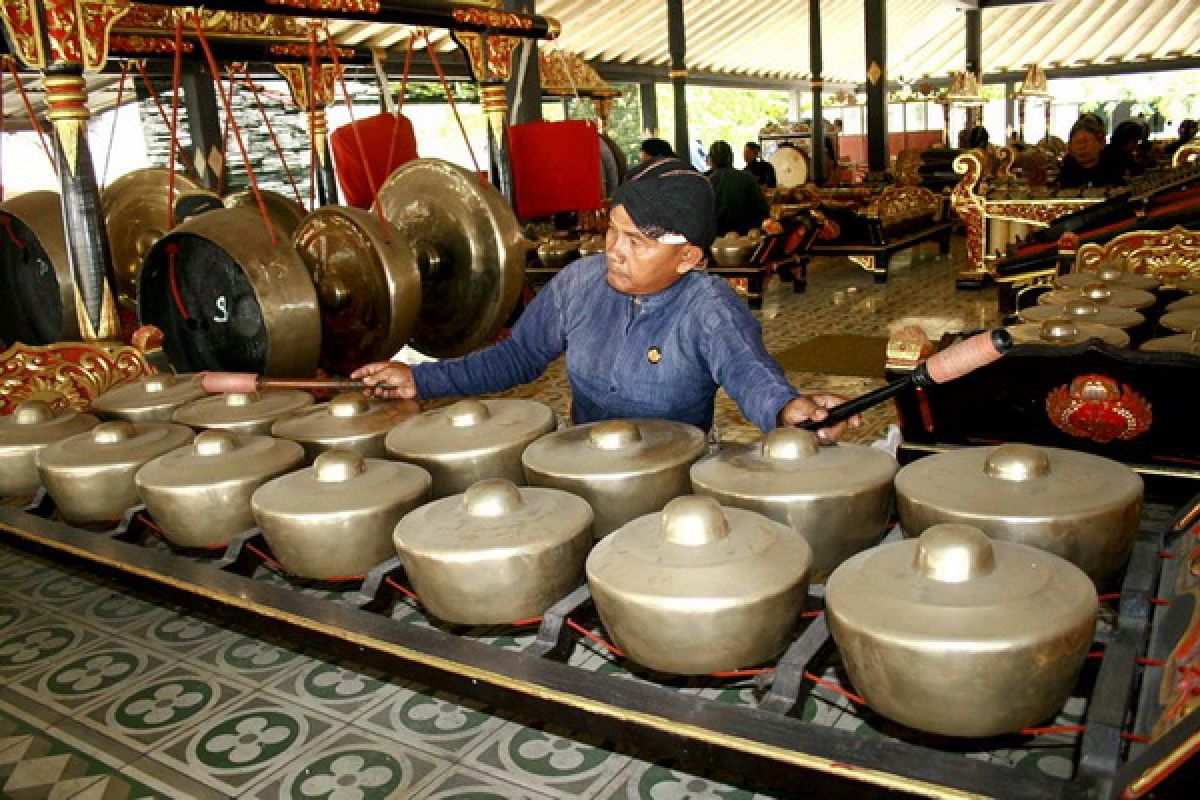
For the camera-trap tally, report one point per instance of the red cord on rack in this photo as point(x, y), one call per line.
point(33, 117)
point(270, 129)
point(523, 622)
point(237, 133)
point(404, 590)
point(833, 687)
point(162, 112)
point(437, 66)
point(173, 280)
point(116, 117)
point(612, 648)
point(6, 223)
point(400, 100)
point(176, 81)
point(358, 140)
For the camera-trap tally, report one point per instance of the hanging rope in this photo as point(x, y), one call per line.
point(162, 112)
point(450, 99)
point(397, 112)
point(237, 133)
point(314, 75)
point(358, 140)
point(112, 134)
point(270, 130)
point(33, 118)
point(176, 81)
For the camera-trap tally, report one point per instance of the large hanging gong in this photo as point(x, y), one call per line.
point(37, 290)
point(137, 214)
point(285, 213)
point(468, 248)
point(613, 164)
point(791, 166)
point(367, 285)
point(227, 298)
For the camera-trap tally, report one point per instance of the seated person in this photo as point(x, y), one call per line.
point(740, 204)
point(655, 148)
point(1187, 133)
point(1083, 165)
point(762, 171)
point(1122, 151)
point(647, 332)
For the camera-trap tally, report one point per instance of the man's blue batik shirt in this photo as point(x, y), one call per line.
point(651, 356)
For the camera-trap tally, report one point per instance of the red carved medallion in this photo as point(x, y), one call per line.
point(1098, 408)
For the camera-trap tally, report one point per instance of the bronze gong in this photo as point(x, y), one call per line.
point(367, 285)
point(285, 213)
point(469, 250)
point(37, 289)
point(137, 214)
point(229, 298)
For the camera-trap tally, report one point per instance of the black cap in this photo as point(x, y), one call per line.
point(666, 197)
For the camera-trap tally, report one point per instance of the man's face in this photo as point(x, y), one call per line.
point(638, 264)
point(749, 154)
point(1085, 146)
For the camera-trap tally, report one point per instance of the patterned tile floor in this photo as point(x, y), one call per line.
point(104, 694)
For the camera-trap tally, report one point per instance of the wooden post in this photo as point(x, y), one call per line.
point(204, 125)
point(524, 93)
point(877, 128)
point(648, 95)
point(818, 120)
point(490, 59)
point(677, 41)
point(974, 52)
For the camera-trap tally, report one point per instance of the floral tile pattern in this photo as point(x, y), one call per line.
point(339, 690)
point(463, 784)
point(142, 714)
point(352, 764)
point(437, 723)
point(546, 762)
point(231, 750)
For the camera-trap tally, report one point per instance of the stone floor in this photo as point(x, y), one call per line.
point(108, 695)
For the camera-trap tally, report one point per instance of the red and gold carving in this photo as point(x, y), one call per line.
point(567, 75)
point(490, 57)
point(75, 30)
point(153, 20)
point(305, 51)
point(1167, 255)
point(350, 6)
point(299, 81)
point(68, 374)
point(23, 22)
point(1099, 408)
point(150, 45)
point(969, 206)
point(485, 18)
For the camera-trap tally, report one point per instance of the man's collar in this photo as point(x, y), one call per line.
point(662, 298)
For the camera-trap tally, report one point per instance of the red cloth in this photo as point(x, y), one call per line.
point(358, 183)
point(556, 167)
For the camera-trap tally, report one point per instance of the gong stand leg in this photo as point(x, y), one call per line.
point(240, 557)
point(376, 594)
point(327, 191)
point(554, 639)
point(87, 237)
point(42, 504)
point(495, 110)
point(490, 58)
point(788, 687)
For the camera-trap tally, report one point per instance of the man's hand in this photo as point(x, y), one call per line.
point(815, 407)
point(390, 380)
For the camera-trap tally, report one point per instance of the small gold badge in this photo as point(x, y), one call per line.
point(654, 355)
